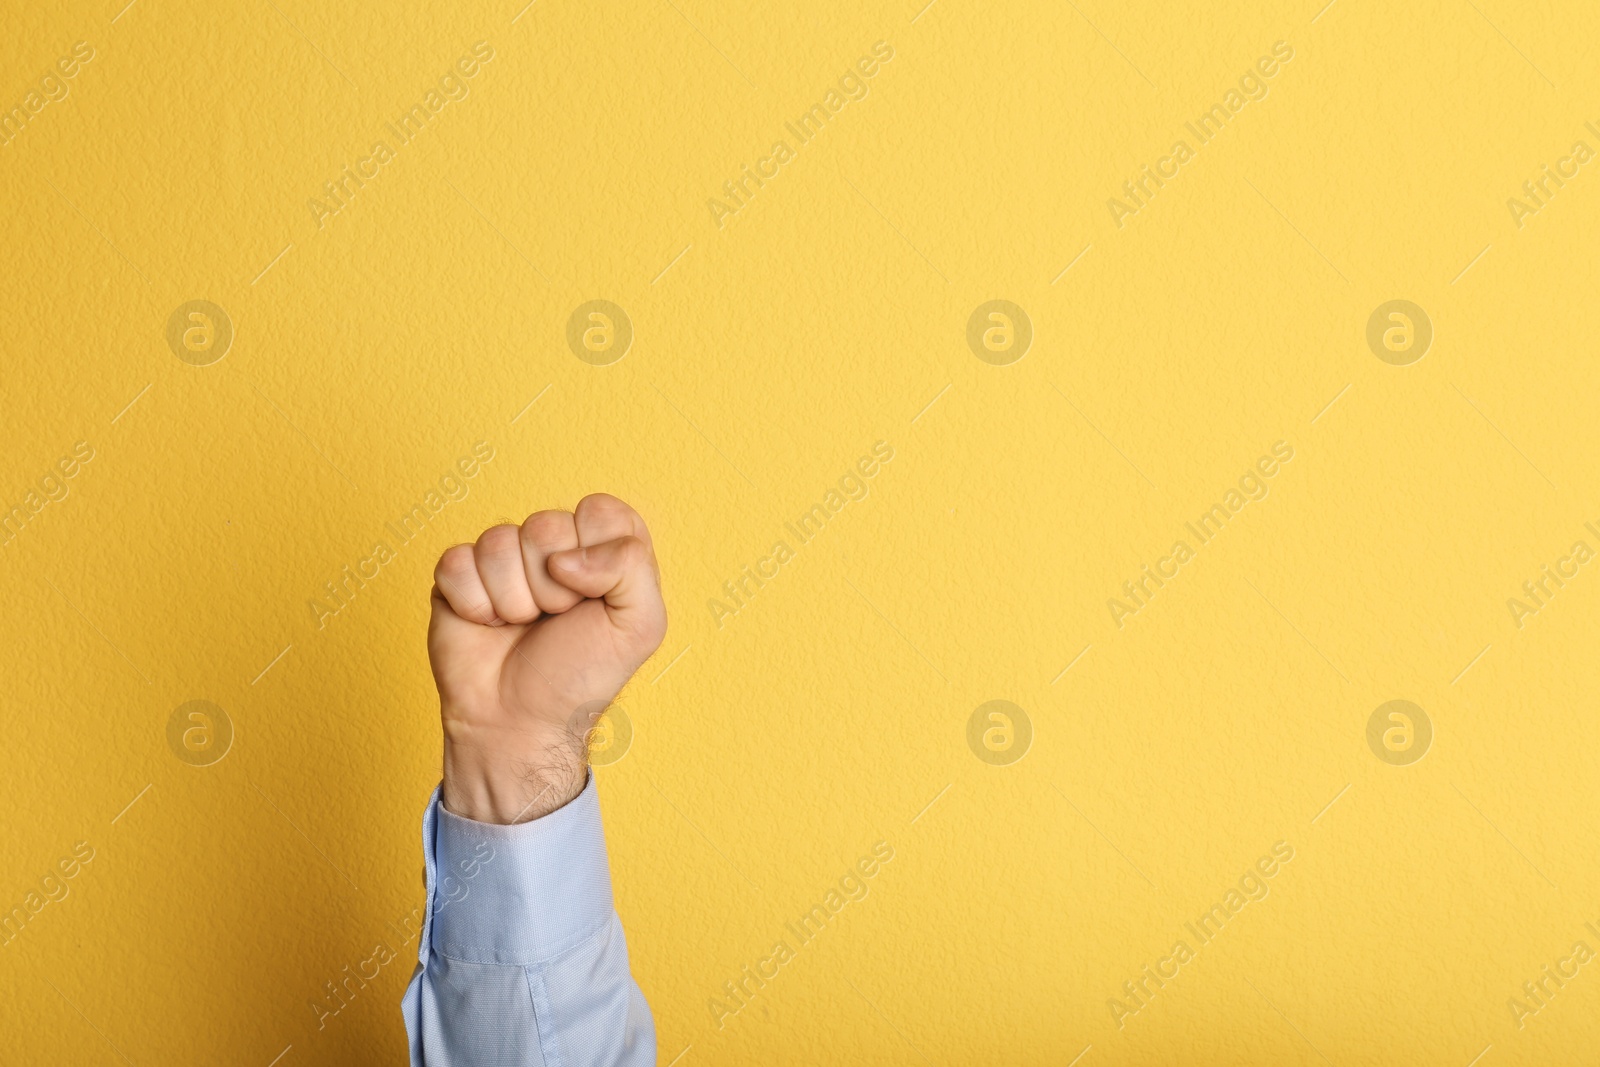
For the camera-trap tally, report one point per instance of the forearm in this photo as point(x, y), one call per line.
point(523, 959)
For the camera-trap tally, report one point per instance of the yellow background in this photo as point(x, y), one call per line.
point(769, 354)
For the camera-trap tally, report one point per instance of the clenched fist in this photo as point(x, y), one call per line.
point(534, 630)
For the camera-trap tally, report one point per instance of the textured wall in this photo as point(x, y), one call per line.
point(271, 345)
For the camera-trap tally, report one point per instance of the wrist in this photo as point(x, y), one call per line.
point(507, 785)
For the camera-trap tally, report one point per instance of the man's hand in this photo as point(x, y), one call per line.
point(535, 629)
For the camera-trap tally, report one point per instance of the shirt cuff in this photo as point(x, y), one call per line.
point(519, 894)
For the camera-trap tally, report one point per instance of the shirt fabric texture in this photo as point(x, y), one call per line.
point(522, 961)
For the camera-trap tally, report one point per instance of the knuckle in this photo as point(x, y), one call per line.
point(498, 542)
point(456, 575)
point(602, 507)
point(453, 562)
point(548, 531)
point(603, 517)
point(601, 500)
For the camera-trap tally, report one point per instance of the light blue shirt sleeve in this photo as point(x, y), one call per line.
point(522, 960)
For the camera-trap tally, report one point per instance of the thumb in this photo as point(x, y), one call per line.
point(622, 573)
